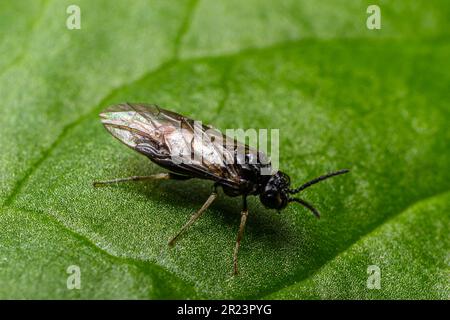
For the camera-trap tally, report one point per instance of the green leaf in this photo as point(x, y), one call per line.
point(343, 96)
point(37, 252)
point(411, 251)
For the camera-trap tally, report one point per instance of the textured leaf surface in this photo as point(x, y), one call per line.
point(341, 95)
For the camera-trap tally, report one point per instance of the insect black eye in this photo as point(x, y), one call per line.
point(272, 200)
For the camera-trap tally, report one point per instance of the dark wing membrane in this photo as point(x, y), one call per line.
point(163, 135)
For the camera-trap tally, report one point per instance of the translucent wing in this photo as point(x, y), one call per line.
point(180, 144)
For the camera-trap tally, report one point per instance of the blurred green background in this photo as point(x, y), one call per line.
point(375, 101)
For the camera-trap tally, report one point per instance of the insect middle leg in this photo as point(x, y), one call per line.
point(157, 176)
point(244, 215)
point(196, 215)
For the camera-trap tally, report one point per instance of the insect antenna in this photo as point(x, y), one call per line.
point(316, 180)
point(306, 205)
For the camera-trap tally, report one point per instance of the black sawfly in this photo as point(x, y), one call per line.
point(155, 133)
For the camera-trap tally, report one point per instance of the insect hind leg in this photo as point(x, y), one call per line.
point(195, 216)
point(244, 215)
point(157, 176)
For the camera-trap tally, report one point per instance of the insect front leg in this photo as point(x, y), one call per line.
point(196, 215)
point(158, 176)
point(244, 215)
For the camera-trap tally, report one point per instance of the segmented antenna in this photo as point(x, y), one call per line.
point(306, 205)
point(316, 180)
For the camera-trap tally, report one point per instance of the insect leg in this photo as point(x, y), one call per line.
point(244, 215)
point(195, 216)
point(158, 176)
